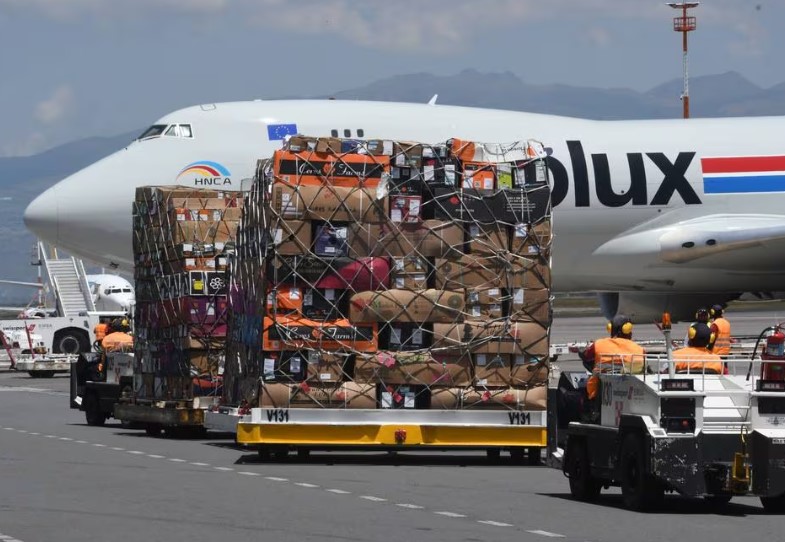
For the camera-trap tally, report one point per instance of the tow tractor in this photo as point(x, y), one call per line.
point(98, 380)
point(714, 436)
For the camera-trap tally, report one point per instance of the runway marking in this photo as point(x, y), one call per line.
point(156, 456)
point(494, 523)
point(78, 441)
point(22, 430)
point(97, 445)
point(451, 514)
point(372, 498)
point(6, 538)
point(248, 473)
point(135, 452)
point(548, 534)
point(116, 448)
point(410, 506)
point(177, 460)
point(223, 469)
point(31, 433)
point(305, 484)
point(276, 479)
point(197, 464)
point(339, 491)
point(50, 436)
point(65, 438)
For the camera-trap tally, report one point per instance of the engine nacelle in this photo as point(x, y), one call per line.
point(645, 308)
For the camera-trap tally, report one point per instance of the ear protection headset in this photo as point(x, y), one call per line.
point(703, 315)
point(626, 328)
point(692, 332)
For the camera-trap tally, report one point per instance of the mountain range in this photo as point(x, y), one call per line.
point(728, 94)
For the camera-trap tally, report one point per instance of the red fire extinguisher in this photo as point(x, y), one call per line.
point(774, 351)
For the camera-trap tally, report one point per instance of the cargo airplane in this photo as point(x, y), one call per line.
point(653, 215)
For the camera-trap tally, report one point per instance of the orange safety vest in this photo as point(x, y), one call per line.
point(614, 355)
point(697, 360)
point(722, 342)
point(100, 331)
point(118, 342)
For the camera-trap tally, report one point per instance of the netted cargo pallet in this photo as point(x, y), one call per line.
point(182, 239)
point(393, 275)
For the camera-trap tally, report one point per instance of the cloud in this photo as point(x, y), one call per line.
point(57, 106)
point(25, 146)
point(598, 37)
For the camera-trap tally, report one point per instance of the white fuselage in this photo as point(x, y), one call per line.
point(623, 189)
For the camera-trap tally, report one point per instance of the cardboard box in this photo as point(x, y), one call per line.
point(340, 170)
point(339, 273)
point(325, 303)
point(403, 397)
point(509, 398)
point(531, 305)
point(446, 398)
point(398, 337)
point(405, 209)
point(409, 281)
point(479, 175)
point(311, 395)
point(284, 366)
point(501, 206)
point(500, 337)
point(292, 237)
point(532, 240)
point(331, 241)
point(295, 333)
point(487, 239)
point(410, 273)
point(285, 299)
point(492, 370)
point(419, 368)
point(406, 306)
point(202, 232)
point(529, 371)
point(327, 366)
point(484, 272)
point(487, 304)
point(430, 238)
point(329, 203)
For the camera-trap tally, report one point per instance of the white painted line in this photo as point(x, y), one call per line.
point(135, 452)
point(36, 434)
point(276, 479)
point(8, 428)
point(156, 456)
point(246, 473)
point(80, 441)
point(223, 469)
point(116, 448)
point(339, 491)
point(195, 464)
point(548, 534)
point(99, 445)
point(65, 438)
point(494, 523)
point(372, 498)
point(451, 514)
point(410, 506)
point(305, 484)
point(5, 537)
point(177, 460)
point(22, 430)
point(50, 436)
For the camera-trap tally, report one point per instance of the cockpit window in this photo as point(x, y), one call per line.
point(153, 131)
point(185, 130)
point(173, 131)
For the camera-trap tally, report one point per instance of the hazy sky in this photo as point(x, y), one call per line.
point(76, 68)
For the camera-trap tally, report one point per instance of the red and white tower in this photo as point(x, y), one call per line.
point(685, 24)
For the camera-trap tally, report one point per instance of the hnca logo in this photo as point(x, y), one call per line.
point(205, 174)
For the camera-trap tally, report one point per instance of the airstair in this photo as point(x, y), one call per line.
point(69, 281)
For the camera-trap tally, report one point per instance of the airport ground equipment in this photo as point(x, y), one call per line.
point(98, 380)
point(714, 436)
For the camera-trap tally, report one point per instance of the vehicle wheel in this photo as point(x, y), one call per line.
point(639, 489)
point(493, 454)
point(280, 454)
point(774, 505)
point(34, 374)
point(42, 374)
point(92, 410)
point(583, 486)
point(70, 342)
point(264, 453)
point(533, 456)
point(153, 430)
point(303, 453)
point(718, 500)
point(518, 455)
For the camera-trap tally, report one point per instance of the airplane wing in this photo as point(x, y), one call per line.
point(720, 241)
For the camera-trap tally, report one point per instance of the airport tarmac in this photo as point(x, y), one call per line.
point(62, 480)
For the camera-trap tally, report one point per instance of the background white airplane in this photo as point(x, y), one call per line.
point(111, 293)
point(662, 214)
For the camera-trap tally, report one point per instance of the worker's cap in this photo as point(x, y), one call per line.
point(700, 335)
point(702, 315)
point(620, 325)
point(716, 310)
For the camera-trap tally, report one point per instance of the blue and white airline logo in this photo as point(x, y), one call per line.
point(277, 132)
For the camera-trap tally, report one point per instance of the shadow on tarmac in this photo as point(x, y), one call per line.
point(673, 504)
point(383, 458)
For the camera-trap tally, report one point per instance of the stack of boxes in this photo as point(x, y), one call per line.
point(385, 274)
point(182, 238)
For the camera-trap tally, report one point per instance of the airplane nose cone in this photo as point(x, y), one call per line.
point(42, 216)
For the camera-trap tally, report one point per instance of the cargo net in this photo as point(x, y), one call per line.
point(182, 239)
point(384, 274)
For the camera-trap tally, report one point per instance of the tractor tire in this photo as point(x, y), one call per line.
point(640, 491)
point(583, 486)
point(774, 505)
point(92, 410)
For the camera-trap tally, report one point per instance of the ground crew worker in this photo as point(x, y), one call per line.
point(721, 329)
point(618, 353)
point(696, 357)
point(101, 330)
point(119, 340)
